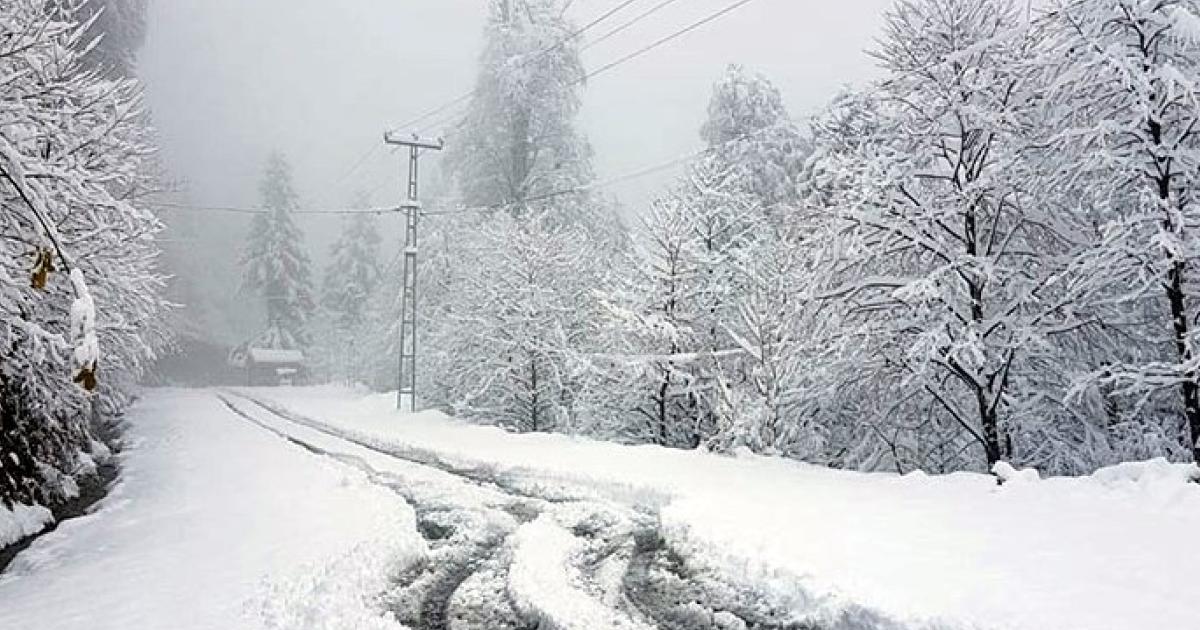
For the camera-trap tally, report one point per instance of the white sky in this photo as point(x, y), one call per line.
point(228, 80)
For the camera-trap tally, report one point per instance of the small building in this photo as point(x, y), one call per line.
point(270, 367)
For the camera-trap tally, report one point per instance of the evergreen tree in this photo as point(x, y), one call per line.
point(353, 272)
point(275, 264)
point(351, 279)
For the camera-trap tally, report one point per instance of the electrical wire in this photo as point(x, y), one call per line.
point(649, 12)
point(632, 175)
point(602, 69)
point(626, 58)
point(249, 210)
point(522, 63)
point(669, 38)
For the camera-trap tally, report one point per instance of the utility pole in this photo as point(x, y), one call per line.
point(408, 295)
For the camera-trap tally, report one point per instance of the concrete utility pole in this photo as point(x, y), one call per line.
point(408, 296)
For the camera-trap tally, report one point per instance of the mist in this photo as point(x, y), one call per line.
point(228, 81)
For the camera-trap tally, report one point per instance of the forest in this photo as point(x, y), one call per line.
point(985, 255)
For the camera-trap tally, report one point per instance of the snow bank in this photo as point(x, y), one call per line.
point(1006, 473)
point(215, 523)
point(852, 550)
point(21, 521)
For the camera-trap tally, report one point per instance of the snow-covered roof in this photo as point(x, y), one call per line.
point(270, 355)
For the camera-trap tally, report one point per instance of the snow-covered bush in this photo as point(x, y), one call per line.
point(78, 288)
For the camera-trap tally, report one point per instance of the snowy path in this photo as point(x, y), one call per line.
point(234, 513)
point(515, 550)
point(323, 508)
point(215, 524)
point(783, 544)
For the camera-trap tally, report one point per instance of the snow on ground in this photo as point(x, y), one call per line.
point(1113, 551)
point(215, 524)
point(543, 584)
point(22, 520)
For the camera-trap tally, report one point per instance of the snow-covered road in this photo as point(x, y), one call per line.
point(324, 508)
point(516, 549)
point(236, 513)
point(215, 523)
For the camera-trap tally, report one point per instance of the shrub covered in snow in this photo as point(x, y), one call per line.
point(78, 288)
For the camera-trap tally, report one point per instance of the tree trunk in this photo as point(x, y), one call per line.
point(663, 390)
point(1177, 300)
point(1188, 387)
point(533, 399)
point(988, 420)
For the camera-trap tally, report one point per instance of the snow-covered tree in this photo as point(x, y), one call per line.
point(275, 264)
point(959, 281)
point(119, 30)
point(518, 145)
point(1126, 97)
point(351, 279)
point(78, 287)
point(509, 295)
point(749, 128)
point(681, 306)
point(353, 272)
point(652, 381)
point(520, 313)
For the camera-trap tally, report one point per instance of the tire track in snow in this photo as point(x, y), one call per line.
point(422, 600)
point(653, 587)
point(480, 543)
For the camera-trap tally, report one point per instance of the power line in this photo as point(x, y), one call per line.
point(602, 69)
point(438, 110)
point(522, 63)
point(249, 210)
point(650, 170)
point(590, 25)
point(639, 173)
point(673, 36)
point(650, 47)
point(645, 14)
point(366, 155)
point(618, 62)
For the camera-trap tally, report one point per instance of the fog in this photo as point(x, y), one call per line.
point(230, 80)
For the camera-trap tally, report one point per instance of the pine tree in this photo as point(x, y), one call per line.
point(351, 280)
point(275, 264)
point(353, 272)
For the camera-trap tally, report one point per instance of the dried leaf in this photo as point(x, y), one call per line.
point(43, 266)
point(86, 378)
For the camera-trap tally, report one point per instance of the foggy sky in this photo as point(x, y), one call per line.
point(229, 80)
